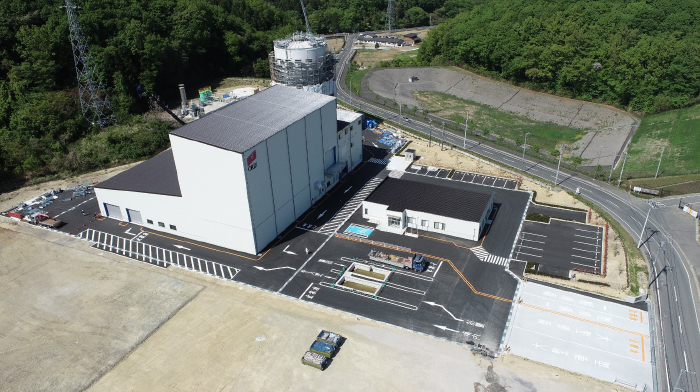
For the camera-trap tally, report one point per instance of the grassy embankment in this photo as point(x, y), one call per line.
point(679, 132)
point(544, 136)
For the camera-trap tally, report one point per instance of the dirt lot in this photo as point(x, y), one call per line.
point(613, 285)
point(71, 313)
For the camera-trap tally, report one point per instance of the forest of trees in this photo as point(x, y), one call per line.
point(639, 55)
point(157, 43)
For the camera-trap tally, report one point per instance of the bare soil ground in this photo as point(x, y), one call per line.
point(614, 284)
point(71, 313)
point(335, 44)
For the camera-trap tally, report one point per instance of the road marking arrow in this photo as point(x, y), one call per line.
point(346, 191)
point(272, 269)
point(128, 231)
point(181, 247)
point(444, 328)
point(322, 214)
point(443, 308)
point(288, 251)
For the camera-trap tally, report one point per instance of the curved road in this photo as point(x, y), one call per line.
point(669, 233)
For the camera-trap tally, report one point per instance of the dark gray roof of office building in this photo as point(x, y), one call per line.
point(242, 125)
point(157, 175)
point(402, 194)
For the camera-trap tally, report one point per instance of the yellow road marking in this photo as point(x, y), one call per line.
point(584, 320)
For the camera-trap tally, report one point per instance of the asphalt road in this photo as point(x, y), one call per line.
point(673, 295)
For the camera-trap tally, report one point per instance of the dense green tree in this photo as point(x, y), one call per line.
point(643, 55)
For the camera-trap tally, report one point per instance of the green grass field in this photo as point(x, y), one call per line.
point(544, 136)
point(354, 78)
point(678, 131)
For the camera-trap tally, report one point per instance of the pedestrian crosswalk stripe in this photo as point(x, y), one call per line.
point(487, 257)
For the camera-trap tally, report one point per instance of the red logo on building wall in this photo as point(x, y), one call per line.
point(251, 161)
point(252, 157)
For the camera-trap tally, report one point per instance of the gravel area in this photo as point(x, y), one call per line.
point(601, 147)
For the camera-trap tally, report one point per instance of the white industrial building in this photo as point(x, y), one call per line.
point(238, 177)
point(400, 205)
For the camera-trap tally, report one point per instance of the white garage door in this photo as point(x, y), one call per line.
point(113, 211)
point(134, 216)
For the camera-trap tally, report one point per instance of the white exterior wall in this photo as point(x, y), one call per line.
point(225, 204)
point(356, 142)
point(379, 214)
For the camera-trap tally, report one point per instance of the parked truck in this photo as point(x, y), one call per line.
point(416, 263)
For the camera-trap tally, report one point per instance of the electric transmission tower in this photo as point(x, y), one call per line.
point(306, 18)
point(94, 102)
point(390, 16)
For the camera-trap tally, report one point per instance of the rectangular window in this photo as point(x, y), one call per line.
point(161, 224)
point(149, 221)
point(439, 226)
point(366, 211)
point(340, 135)
point(346, 130)
point(173, 227)
point(424, 223)
point(394, 221)
point(411, 221)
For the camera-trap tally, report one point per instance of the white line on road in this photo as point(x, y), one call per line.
point(440, 265)
point(272, 269)
point(675, 293)
point(680, 324)
point(307, 289)
point(181, 247)
point(523, 253)
point(525, 239)
point(539, 235)
point(581, 257)
point(529, 247)
point(443, 308)
point(584, 250)
point(591, 238)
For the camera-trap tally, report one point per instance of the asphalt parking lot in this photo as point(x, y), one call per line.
point(560, 246)
point(458, 297)
point(582, 333)
point(473, 178)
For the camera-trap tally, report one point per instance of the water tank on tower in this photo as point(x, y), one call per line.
point(301, 60)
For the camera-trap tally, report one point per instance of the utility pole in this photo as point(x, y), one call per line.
point(442, 140)
point(659, 167)
point(619, 180)
point(652, 204)
point(525, 144)
point(430, 127)
point(94, 102)
point(466, 128)
point(612, 166)
point(561, 152)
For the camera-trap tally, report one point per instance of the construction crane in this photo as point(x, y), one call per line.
point(142, 92)
point(94, 101)
point(306, 18)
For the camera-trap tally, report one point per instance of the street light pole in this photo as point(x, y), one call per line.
point(619, 180)
point(466, 128)
point(430, 127)
point(525, 144)
point(442, 140)
point(612, 166)
point(659, 167)
point(652, 204)
point(561, 152)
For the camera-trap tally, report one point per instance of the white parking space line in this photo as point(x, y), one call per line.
point(525, 239)
point(529, 247)
point(587, 258)
point(591, 238)
point(523, 253)
point(586, 243)
point(589, 231)
point(585, 265)
point(437, 269)
point(539, 235)
point(584, 250)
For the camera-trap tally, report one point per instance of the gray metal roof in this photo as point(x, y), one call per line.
point(157, 175)
point(402, 194)
point(244, 124)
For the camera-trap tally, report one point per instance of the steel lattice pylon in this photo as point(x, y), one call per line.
point(94, 102)
point(390, 16)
